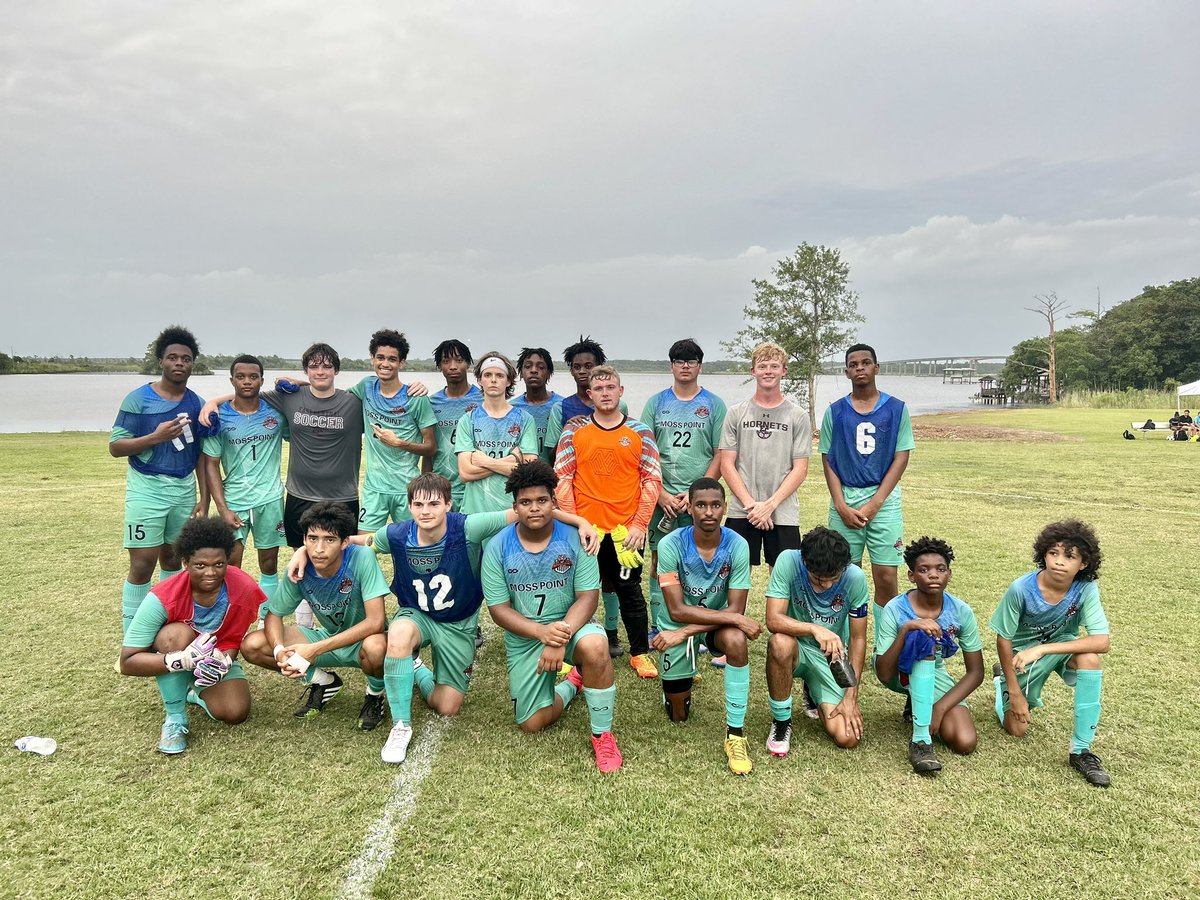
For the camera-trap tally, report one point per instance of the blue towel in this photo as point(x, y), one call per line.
point(919, 645)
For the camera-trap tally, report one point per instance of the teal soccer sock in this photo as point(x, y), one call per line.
point(612, 611)
point(1087, 708)
point(132, 596)
point(375, 685)
point(656, 601)
point(174, 689)
point(1001, 696)
point(425, 682)
point(268, 584)
point(163, 574)
point(398, 682)
point(737, 695)
point(920, 688)
point(781, 710)
point(600, 703)
point(566, 692)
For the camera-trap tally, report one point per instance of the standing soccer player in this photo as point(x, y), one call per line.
point(915, 634)
point(248, 444)
point(535, 367)
point(705, 580)
point(398, 430)
point(581, 357)
point(686, 420)
point(450, 404)
point(493, 437)
point(542, 588)
point(157, 430)
point(607, 465)
point(1037, 632)
point(817, 615)
point(866, 438)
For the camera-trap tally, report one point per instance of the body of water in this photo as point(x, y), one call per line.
point(89, 402)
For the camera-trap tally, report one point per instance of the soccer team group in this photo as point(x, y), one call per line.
point(546, 507)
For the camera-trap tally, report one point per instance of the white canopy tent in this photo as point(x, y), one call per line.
point(1187, 390)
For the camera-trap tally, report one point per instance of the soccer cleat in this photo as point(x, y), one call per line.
point(907, 714)
point(318, 696)
point(737, 752)
point(779, 739)
point(718, 662)
point(371, 713)
point(1088, 765)
point(997, 670)
point(644, 666)
point(173, 737)
point(810, 705)
point(923, 760)
point(701, 648)
point(608, 757)
point(565, 669)
point(478, 637)
point(576, 678)
point(615, 650)
point(396, 748)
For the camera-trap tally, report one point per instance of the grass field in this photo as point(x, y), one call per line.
point(280, 808)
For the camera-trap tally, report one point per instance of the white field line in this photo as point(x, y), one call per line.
point(1073, 501)
point(380, 842)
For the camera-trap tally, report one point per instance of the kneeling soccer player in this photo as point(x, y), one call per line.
point(1037, 632)
point(816, 607)
point(345, 588)
point(186, 632)
point(704, 571)
point(542, 589)
point(916, 632)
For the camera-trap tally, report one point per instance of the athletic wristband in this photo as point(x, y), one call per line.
point(275, 652)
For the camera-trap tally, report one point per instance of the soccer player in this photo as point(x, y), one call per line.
point(157, 430)
point(535, 366)
point(916, 632)
point(817, 615)
point(705, 578)
point(686, 420)
point(186, 632)
point(581, 357)
point(493, 437)
point(764, 452)
point(541, 588)
point(344, 586)
point(248, 443)
point(866, 438)
point(607, 466)
point(398, 429)
point(450, 404)
point(1037, 632)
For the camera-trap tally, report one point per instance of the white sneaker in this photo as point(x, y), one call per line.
point(779, 739)
point(396, 747)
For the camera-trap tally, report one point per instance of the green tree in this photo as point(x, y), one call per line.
point(1075, 362)
point(1151, 336)
point(808, 309)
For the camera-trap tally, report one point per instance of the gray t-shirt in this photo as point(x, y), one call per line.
point(767, 441)
point(326, 437)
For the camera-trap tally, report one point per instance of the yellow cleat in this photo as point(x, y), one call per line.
point(737, 752)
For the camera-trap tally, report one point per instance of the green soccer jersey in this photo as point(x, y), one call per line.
point(1025, 618)
point(498, 438)
point(250, 448)
point(847, 599)
point(479, 527)
point(389, 469)
point(704, 582)
point(957, 621)
point(687, 432)
point(540, 586)
point(336, 601)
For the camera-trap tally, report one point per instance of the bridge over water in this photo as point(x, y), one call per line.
point(959, 365)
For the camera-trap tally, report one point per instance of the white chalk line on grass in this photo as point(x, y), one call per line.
point(380, 842)
point(1073, 501)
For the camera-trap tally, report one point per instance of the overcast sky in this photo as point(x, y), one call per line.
point(272, 173)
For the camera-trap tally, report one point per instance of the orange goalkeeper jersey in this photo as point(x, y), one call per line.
point(610, 476)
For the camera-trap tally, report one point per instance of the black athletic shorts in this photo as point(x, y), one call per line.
point(772, 542)
point(295, 507)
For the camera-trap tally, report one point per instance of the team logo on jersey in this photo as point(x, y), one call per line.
point(624, 442)
point(899, 545)
point(702, 412)
point(1073, 608)
point(346, 585)
point(471, 407)
point(398, 410)
point(514, 430)
point(839, 601)
point(562, 564)
point(280, 529)
point(270, 423)
point(952, 630)
point(724, 571)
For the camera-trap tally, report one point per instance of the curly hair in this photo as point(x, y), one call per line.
point(321, 352)
point(925, 544)
point(1074, 534)
point(527, 352)
point(175, 334)
point(202, 534)
point(825, 553)
point(387, 337)
point(533, 473)
point(584, 345)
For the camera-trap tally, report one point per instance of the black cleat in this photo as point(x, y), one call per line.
point(1088, 765)
point(923, 760)
point(907, 714)
point(810, 705)
point(478, 637)
point(371, 713)
point(615, 650)
point(997, 671)
point(318, 696)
